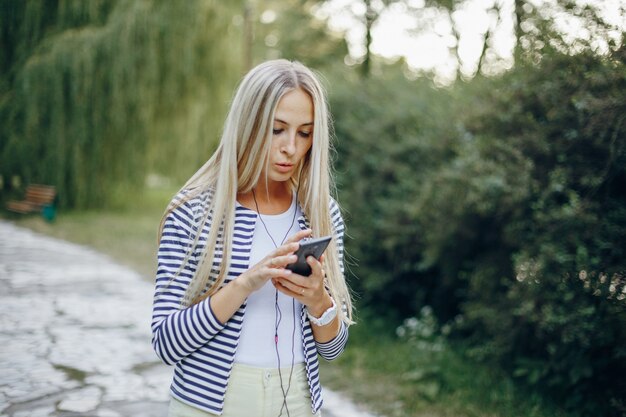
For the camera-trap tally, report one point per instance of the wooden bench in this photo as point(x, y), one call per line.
point(36, 197)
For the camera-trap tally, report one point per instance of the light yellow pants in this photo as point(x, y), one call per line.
point(257, 392)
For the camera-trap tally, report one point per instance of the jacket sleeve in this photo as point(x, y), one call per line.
point(178, 331)
point(333, 348)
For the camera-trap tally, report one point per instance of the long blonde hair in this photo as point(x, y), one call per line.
point(236, 166)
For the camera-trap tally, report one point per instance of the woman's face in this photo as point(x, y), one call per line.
point(292, 135)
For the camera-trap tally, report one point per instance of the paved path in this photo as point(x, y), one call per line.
point(75, 338)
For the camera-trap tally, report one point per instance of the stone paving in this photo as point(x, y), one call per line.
point(75, 335)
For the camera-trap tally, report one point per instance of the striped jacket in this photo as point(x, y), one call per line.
point(193, 339)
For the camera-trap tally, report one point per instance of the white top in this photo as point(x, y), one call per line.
point(257, 345)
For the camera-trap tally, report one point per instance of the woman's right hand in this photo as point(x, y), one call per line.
point(273, 265)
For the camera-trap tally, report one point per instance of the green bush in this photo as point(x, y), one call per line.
point(502, 201)
point(559, 320)
point(389, 138)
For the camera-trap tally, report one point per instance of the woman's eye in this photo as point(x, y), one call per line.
point(278, 131)
point(305, 135)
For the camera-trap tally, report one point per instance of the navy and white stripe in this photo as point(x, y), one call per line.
point(193, 339)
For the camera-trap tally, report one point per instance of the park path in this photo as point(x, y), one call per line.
point(75, 335)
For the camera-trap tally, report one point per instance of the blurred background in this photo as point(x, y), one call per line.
point(480, 160)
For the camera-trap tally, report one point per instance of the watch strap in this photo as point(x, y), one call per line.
point(326, 317)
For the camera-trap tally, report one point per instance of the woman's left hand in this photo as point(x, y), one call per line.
point(309, 291)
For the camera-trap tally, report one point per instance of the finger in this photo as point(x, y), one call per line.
point(321, 260)
point(294, 280)
point(280, 288)
point(291, 285)
point(299, 236)
point(286, 249)
point(281, 261)
point(276, 273)
point(272, 262)
point(316, 266)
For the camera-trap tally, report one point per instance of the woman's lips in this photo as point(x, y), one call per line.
point(284, 167)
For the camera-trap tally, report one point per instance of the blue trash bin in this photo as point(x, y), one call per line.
point(49, 212)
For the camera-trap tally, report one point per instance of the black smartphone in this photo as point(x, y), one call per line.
point(311, 247)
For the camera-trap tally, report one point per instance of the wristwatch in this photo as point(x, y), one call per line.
point(326, 317)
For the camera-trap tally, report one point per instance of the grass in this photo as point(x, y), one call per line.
point(400, 379)
point(390, 377)
point(128, 235)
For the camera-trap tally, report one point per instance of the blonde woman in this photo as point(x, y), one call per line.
point(243, 331)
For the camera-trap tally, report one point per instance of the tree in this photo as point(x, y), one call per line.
point(532, 25)
point(289, 29)
point(558, 320)
point(94, 95)
point(500, 203)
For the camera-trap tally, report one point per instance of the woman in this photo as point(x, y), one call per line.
point(243, 330)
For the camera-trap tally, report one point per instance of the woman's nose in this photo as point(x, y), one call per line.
point(289, 143)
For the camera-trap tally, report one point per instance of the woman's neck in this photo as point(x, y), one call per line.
point(269, 200)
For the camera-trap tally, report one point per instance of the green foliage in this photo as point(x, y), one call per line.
point(500, 202)
point(389, 140)
point(558, 321)
point(96, 94)
point(288, 29)
point(419, 375)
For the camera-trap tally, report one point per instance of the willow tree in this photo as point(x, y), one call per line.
point(95, 94)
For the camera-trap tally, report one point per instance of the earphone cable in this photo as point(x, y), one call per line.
point(278, 313)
